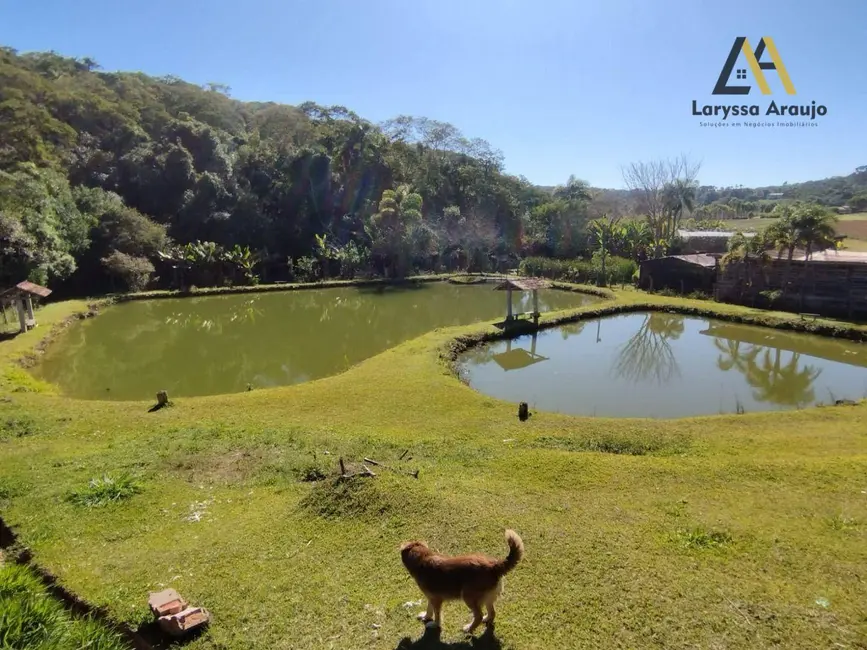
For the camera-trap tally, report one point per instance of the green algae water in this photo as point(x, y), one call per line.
point(223, 344)
point(666, 365)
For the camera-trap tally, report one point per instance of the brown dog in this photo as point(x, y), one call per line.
point(476, 578)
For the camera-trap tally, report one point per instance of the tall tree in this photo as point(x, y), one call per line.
point(390, 227)
point(662, 189)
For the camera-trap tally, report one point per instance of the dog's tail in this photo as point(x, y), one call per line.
point(516, 552)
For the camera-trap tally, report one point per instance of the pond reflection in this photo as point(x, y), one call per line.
point(666, 365)
point(776, 375)
point(220, 344)
point(647, 355)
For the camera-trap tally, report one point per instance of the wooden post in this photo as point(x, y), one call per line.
point(533, 344)
point(162, 398)
point(22, 316)
point(509, 303)
point(523, 411)
point(536, 302)
point(28, 302)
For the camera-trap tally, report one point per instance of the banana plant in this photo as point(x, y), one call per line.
point(244, 260)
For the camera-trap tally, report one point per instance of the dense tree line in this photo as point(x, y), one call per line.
point(109, 180)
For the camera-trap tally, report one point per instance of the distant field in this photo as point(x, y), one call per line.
point(857, 216)
point(756, 223)
point(853, 229)
point(854, 226)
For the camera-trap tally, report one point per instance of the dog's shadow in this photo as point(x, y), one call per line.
point(430, 640)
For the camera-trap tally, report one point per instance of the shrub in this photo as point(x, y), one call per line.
point(134, 272)
point(619, 270)
point(544, 267)
point(105, 490)
point(580, 271)
point(306, 268)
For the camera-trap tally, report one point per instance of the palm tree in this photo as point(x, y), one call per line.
point(747, 253)
point(679, 198)
point(399, 211)
point(573, 190)
point(783, 235)
point(814, 225)
point(602, 234)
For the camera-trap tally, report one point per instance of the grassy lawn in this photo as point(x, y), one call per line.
point(756, 224)
point(733, 531)
point(31, 618)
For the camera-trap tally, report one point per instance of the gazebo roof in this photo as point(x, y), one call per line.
point(524, 284)
point(27, 287)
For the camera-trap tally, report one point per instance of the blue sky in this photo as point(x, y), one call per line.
point(561, 86)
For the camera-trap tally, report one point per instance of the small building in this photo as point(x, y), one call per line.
point(683, 273)
point(831, 283)
point(707, 241)
point(775, 195)
point(22, 296)
point(844, 209)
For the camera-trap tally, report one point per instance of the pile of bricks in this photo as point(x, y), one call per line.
point(173, 613)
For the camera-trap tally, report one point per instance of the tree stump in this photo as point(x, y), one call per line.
point(162, 398)
point(523, 411)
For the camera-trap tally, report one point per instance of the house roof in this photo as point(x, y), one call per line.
point(524, 284)
point(832, 255)
point(27, 287)
point(701, 259)
point(722, 234)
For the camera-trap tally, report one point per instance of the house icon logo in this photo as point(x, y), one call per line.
point(756, 66)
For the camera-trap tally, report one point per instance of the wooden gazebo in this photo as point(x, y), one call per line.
point(522, 284)
point(22, 295)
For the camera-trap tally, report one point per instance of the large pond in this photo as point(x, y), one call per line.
point(666, 365)
point(222, 344)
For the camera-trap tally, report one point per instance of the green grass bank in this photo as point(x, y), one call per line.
point(736, 531)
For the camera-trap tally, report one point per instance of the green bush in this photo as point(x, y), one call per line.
point(544, 267)
point(619, 270)
point(306, 269)
point(134, 272)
